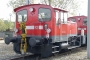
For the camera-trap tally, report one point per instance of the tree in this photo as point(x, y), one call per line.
point(9, 24)
point(69, 5)
point(6, 24)
point(2, 25)
point(16, 3)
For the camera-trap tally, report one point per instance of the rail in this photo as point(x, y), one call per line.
point(27, 57)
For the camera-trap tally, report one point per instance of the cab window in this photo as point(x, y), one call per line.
point(73, 19)
point(44, 14)
point(22, 16)
point(57, 17)
point(85, 21)
point(63, 17)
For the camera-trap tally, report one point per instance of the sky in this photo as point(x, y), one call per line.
point(83, 7)
point(6, 11)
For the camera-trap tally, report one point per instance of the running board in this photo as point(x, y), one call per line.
point(73, 47)
point(55, 52)
point(55, 46)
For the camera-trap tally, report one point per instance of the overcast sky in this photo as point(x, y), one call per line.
point(84, 7)
point(5, 11)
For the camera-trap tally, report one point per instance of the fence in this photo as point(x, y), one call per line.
point(6, 34)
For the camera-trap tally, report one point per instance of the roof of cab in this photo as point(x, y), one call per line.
point(60, 9)
point(78, 16)
point(28, 5)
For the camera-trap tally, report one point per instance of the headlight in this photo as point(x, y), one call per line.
point(31, 9)
point(48, 31)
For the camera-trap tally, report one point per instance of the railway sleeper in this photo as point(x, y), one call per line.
point(27, 57)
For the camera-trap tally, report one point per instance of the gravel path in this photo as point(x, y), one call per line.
point(6, 51)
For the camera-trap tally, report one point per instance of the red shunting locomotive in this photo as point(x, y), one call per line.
point(81, 27)
point(47, 30)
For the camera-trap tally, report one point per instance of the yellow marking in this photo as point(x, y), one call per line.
point(23, 35)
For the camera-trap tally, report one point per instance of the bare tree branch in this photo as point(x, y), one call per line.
point(64, 4)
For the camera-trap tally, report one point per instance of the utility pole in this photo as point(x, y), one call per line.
point(88, 31)
point(10, 17)
point(10, 20)
point(27, 2)
point(49, 2)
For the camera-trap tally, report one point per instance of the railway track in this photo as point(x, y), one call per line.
point(71, 51)
point(27, 57)
point(65, 53)
point(38, 57)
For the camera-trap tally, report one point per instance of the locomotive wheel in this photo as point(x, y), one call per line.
point(7, 40)
point(16, 48)
point(46, 50)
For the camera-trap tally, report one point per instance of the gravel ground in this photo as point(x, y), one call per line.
point(6, 51)
point(75, 54)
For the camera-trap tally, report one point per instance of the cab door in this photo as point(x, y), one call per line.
point(57, 26)
point(63, 26)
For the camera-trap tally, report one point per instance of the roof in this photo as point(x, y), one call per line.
point(28, 5)
point(60, 9)
point(78, 16)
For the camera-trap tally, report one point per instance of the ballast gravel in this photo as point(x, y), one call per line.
point(6, 51)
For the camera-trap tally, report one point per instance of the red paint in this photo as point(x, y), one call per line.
point(79, 23)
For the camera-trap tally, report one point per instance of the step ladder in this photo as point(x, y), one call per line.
point(55, 49)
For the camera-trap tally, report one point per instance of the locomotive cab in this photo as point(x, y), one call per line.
point(81, 23)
